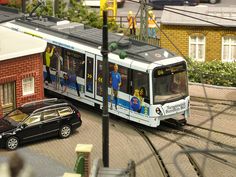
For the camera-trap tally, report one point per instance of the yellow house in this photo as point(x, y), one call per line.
point(201, 33)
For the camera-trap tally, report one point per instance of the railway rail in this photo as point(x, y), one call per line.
point(153, 131)
point(178, 129)
point(211, 130)
point(186, 148)
point(154, 152)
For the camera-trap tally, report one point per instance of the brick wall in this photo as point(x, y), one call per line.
point(14, 70)
point(179, 35)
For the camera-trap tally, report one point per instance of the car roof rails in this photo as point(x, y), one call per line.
point(39, 102)
point(48, 107)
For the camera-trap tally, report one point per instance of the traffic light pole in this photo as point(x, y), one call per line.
point(105, 114)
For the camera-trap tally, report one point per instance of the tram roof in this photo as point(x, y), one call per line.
point(92, 36)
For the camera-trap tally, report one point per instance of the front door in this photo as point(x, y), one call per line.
point(89, 75)
point(7, 97)
point(33, 128)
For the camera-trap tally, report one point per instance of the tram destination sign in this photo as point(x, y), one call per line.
point(169, 70)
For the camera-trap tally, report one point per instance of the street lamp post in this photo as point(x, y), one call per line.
point(105, 114)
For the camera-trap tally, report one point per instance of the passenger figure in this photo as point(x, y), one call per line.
point(142, 94)
point(132, 23)
point(115, 81)
point(48, 55)
point(151, 25)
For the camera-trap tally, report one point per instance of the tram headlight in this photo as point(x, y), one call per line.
point(158, 111)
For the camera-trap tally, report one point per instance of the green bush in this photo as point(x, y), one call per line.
point(213, 72)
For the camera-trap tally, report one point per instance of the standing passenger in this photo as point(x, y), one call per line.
point(132, 23)
point(151, 25)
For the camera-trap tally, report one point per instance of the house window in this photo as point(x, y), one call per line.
point(28, 86)
point(197, 48)
point(229, 49)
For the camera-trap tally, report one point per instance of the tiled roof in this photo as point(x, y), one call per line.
point(199, 16)
point(7, 14)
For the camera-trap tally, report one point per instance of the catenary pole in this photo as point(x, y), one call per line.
point(105, 115)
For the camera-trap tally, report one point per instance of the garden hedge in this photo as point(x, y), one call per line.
point(213, 72)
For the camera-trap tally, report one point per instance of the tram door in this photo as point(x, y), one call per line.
point(90, 73)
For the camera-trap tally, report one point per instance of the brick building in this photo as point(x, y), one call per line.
point(21, 69)
point(209, 35)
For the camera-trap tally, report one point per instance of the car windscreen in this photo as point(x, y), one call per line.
point(16, 116)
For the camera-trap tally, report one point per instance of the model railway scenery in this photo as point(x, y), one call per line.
point(153, 98)
point(147, 86)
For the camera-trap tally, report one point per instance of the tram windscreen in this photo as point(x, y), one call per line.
point(170, 83)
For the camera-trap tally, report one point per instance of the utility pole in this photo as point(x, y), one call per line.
point(143, 22)
point(23, 6)
point(105, 114)
point(143, 35)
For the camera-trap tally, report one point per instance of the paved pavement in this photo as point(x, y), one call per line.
point(53, 157)
point(42, 165)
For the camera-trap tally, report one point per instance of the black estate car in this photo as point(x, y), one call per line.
point(38, 120)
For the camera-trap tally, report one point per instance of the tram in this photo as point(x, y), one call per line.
point(149, 85)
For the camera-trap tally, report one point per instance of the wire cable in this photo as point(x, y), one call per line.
point(198, 13)
point(185, 15)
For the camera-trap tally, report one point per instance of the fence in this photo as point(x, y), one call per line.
point(122, 20)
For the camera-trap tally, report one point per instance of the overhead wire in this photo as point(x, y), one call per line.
point(198, 13)
point(196, 18)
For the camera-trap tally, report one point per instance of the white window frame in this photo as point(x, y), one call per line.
point(230, 49)
point(197, 47)
point(25, 90)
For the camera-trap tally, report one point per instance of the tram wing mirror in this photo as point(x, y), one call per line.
point(147, 100)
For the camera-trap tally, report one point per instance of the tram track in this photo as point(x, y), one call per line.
point(211, 130)
point(154, 151)
point(193, 161)
point(179, 129)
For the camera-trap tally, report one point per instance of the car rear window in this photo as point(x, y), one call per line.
point(65, 111)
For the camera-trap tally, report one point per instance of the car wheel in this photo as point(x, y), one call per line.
point(65, 131)
point(212, 1)
point(12, 143)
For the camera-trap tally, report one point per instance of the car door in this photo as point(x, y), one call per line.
point(32, 128)
point(50, 123)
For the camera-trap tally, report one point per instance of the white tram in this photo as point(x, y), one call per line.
point(154, 84)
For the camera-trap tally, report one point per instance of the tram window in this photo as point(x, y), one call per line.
point(99, 78)
point(74, 62)
point(141, 84)
point(124, 76)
